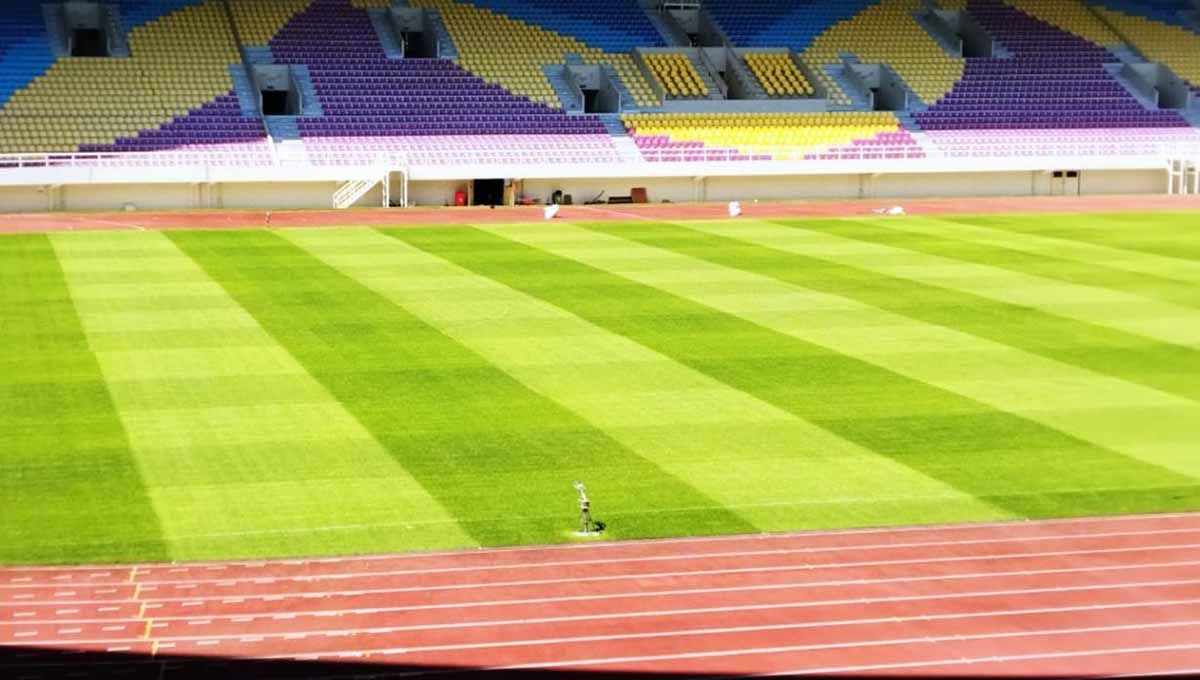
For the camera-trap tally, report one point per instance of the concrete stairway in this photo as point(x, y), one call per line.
point(282, 128)
point(627, 150)
point(672, 34)
point(709, 78)
point(446, 48)
point(119, 46)
point(244, 89)
point(258, 54)
point(859, 101)
point(387, 37)
point(567, 95)
point(937, 30)
point(308, 93)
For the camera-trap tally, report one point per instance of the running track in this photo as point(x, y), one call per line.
point(1082, 597)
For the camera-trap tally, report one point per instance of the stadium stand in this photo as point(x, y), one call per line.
point(701, 137)
point(172, 91)
point(1144, 27)
point(1050, 91)
point(887, 33)
point(511, 53)
point(778, 74)
point(677, 75)
point(374, 105)
point(1056, 80)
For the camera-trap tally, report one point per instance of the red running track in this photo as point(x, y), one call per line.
point(1097, 596)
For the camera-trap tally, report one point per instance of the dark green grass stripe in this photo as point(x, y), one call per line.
point(1134, 358)
point(495, 454)
point(1170, 234)
point(70, 490)
point(1087, 274)
point(1011, 462)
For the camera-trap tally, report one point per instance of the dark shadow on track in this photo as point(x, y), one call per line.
point(18, 663)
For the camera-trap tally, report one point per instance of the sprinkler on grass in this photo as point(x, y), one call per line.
point(587, 525)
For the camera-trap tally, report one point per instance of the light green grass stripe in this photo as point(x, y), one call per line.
point(500, 456)
point(1168, 235)
point(991, 230)
point(244, 453)
point(1133, 314)
point(1139, 422)
point(958, 238)
point(70, 490)
point(684, 421)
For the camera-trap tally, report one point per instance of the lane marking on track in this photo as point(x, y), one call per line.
point(1007, 658)
point(158, 603)
point(849, 645)
point(387, 630)
point(764, 537)
point(163, 621)
point(674, 557)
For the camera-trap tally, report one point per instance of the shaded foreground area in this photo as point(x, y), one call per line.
point(1062, 597)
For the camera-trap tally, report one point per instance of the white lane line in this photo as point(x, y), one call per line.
point(161, 621)
point(23, 634)
point(989, 660)
point(70, 631)
point(692, 632)
point(848, 645)
point(575, 547)
point(674, 557)
point(321, 595)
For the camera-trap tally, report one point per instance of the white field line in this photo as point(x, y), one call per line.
point(234, 598)
point(692, 632)
point(676, 557)
point(850, 645)
point(992, 660)
point(207, 619)
point(929, 528)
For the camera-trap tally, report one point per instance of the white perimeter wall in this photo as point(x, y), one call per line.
point(298, 195)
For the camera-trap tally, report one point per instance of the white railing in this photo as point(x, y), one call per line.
point(1161, 153)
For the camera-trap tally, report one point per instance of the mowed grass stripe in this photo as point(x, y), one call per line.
point(1026, 468)
point(244, 453)
point(1143, 423)
point(956, 238)
point(1152, 426)
point(684, 421)
point(1156, 235)
point(498, 455)
point(1011, 308)
point(70, 488)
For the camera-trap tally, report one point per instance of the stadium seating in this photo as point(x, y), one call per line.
point(374, 105)
point(611, 26)
point(1056, 80)
point(179, 62)
point(1175, 46)
point(677, 75)
point(778, 74)
point(1070, 15)
point(24, 48)
point(511, 53)
point(759, 136)
point(887, 33)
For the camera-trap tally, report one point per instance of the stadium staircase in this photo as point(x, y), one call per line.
point(627, 149)
point(387, 37)
point(672, 34)
point(244, 89)
point(858, 99)
point(567, 95)
point(446, 47)
point(258, 54)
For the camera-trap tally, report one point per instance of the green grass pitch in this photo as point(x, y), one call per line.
point(203, 395)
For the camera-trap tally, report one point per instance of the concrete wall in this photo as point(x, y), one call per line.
point(317, 195)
